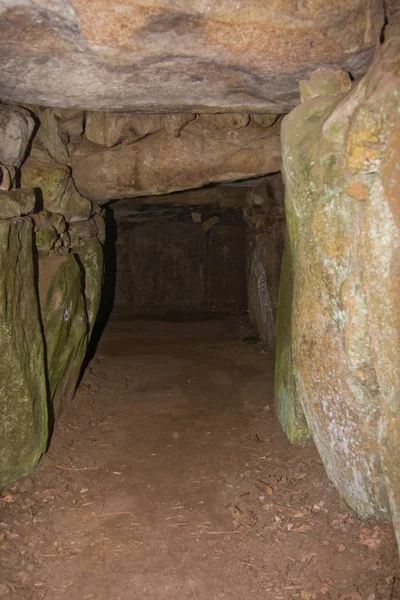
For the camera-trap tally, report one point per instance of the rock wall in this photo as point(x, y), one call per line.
point(181, 266)
point(341, 156)
point(51, 263)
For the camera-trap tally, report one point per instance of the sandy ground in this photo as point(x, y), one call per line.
point(169, 478)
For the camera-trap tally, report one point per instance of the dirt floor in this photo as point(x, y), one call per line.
point(169, 478)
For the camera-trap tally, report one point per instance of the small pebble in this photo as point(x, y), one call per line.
point(175, 435)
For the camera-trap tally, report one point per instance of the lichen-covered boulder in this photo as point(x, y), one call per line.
point(55, 185)
point(23, 396)
point(342, 173)
point(16, 127)
point(15, 203)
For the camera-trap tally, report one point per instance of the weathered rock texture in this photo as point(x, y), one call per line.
point(70, 289)
point(51, 272)
point(263, 283)
point(342, 172)
point(264, 215)
point(210, 148)
point(177, 262)
point(287, 402)
point(111, 129)
point(16, 127)
point(160, 56)
point(47, 169)
point(224, 196)
point(23, 394)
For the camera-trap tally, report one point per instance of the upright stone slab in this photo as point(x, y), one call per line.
point(263, 283)
point(341, 166)
point(23, 399)
point(92, 260)
point(66, 325)
point(373, 159)
point(287, 402)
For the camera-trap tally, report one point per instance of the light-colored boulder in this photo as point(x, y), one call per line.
point(16, 127)
point(342, 175)
point(163, 56)
point(161, 163)
point(23, 406)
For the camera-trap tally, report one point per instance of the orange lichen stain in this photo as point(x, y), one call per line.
point(391, 175)
point(361, 156)
point(364, 145)
point(358, 190)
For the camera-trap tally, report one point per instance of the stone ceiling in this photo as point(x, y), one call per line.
point(163, 55)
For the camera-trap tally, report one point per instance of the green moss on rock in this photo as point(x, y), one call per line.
point(65, 324)
point(23, 398)
point(287, 403)
point(92, 260)
point(341, 169)
point(57, 189)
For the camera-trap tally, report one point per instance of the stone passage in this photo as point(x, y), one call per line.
point(52, 239)
point(139, 130)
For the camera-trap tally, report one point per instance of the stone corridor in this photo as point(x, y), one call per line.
point(199, 299)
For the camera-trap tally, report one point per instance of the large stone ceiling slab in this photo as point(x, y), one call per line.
point(163, 55)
